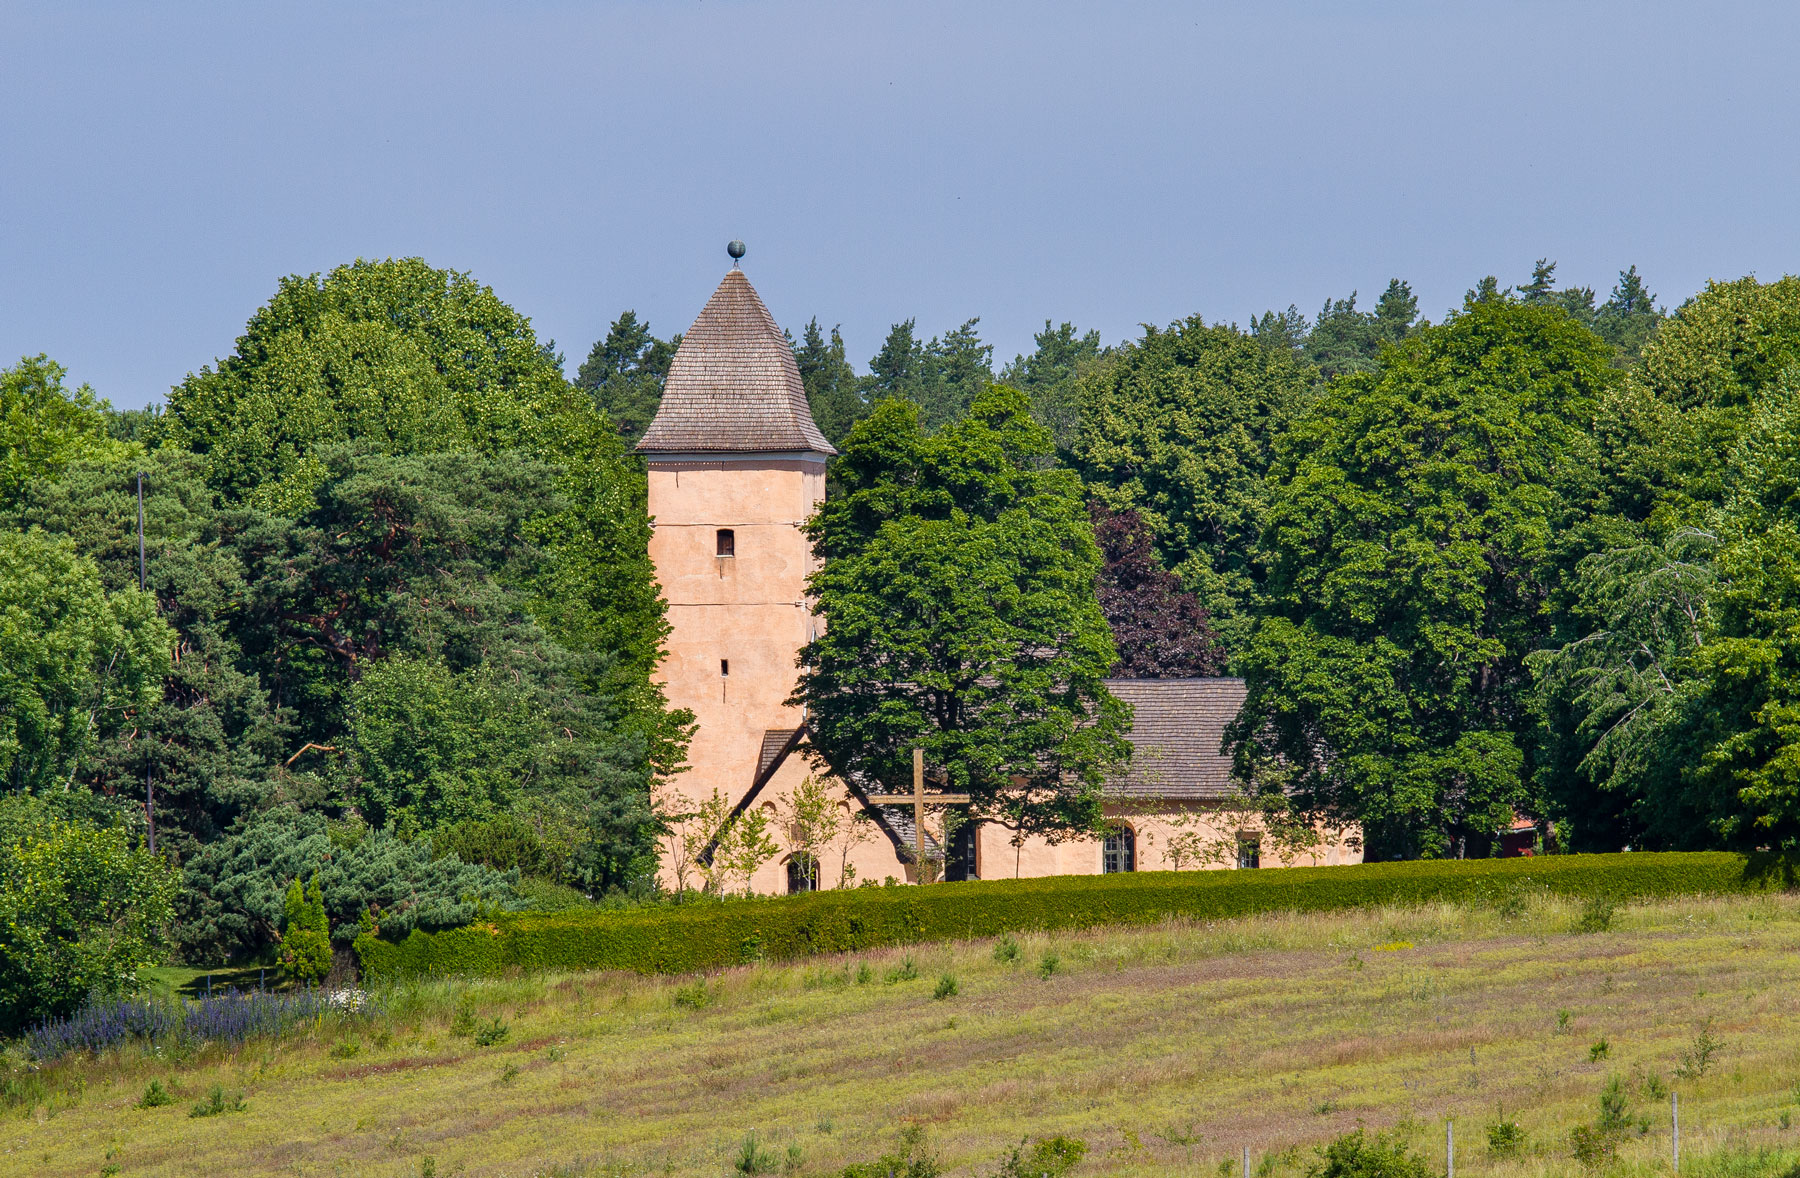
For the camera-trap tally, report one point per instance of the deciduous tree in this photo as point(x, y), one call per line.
point(957, 591)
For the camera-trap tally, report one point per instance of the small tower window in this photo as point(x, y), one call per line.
point(727, 541)
point(725, 667)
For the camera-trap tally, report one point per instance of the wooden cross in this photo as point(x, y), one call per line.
point(919, 800)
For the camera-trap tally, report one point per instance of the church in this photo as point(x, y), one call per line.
point(736, 466)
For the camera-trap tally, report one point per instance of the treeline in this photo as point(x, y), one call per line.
point(397, 622)
point(1531, 561)
point(394, 633)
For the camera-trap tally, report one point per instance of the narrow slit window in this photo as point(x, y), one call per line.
point(727, 542)
point(725, 667)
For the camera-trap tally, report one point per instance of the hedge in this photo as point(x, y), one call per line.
point(710, 935)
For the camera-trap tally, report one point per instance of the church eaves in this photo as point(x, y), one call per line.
point(733, 385)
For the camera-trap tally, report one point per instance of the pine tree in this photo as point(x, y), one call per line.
point(832, 390)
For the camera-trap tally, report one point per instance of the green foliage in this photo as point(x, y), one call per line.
point(217, 1103)
point(233, 898)
point(753, 1158)
point(44, 427)
point(711, 935)
point(1506, 1139)
point(1597, 1143)
point(1411, 546)
point(957, 591)
point(434, 747)
point(489, 1034)
point(1344, 339)
point(1596, 915)
point(910, 1159)
point(213, 742)
point(81, 910)
point(305, 933)
point(942, 377)
point(946, 987)
point(1360, 1155)
point(1048, 1157)
point(1049, 378)
point(832, 391)
point(77, 664)
point(156, 1096)
point(625, 372)
point(1048, 964)
point(696, 995)
point(1006, 950)
point(1697, 1057)
point(396, 358)
point(1181, 426)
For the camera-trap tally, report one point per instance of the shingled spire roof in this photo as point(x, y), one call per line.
point(733, 385)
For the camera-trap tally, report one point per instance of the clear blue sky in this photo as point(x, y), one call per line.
point(1110, 164)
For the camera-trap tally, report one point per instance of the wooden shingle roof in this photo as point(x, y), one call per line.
point(1177, 730)
point(733, 385)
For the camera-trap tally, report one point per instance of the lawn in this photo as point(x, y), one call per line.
point(1167, 1049)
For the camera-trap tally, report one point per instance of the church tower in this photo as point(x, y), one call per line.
point(736, 466)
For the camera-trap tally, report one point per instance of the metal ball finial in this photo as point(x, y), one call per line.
point(735, 249)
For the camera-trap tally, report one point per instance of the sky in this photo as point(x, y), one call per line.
point(161, 167)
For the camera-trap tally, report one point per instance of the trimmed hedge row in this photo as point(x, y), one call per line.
point(711, 935)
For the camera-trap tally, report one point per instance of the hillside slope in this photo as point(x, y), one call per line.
point(1167, 1049)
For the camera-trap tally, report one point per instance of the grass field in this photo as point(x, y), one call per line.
point(1166, 1049)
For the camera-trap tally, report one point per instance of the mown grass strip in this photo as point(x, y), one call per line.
point(712, 935)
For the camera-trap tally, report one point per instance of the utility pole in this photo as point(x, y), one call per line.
point(143, 586)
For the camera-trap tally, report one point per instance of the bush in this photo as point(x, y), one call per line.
point(1506, 1139)
point(233, 896)
point(156, 1096)
point(753, 1159)
point(696, 937)
point(946, 987)
point(1598, 1143)
point(80, 911)
point(1051, 1157)
point(1357, 1155)
point(909, 1160)
point(306, 936)
point(217, 1103)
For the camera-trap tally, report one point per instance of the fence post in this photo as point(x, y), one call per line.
point(1246, 1162)
point(1450, 1149)
point(1675, 1123)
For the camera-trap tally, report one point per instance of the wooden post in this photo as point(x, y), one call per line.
point(1449, 1149)
point(1675, 1123)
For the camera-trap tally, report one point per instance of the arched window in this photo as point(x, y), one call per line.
point(803, 874)
point(1119, 853)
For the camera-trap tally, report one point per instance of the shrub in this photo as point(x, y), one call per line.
point(753, 1159)
point(306, 936)
point(946, 987)
point(909, 1160)
point(1698, 1056)
point(1357, 1155)
point(1006, 950)
point(1597, 914)
point(1600, 1050)
point(217, 1103)
point(1506, 1139)
point(1047, 967)
point(689, 938)
point(156, 1096)
point(694, 996)
point(906, 971)
point(1598, 1143)
point(232, 896)
point(80, 910)
point(1051, 1157)
point(488, 1034)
